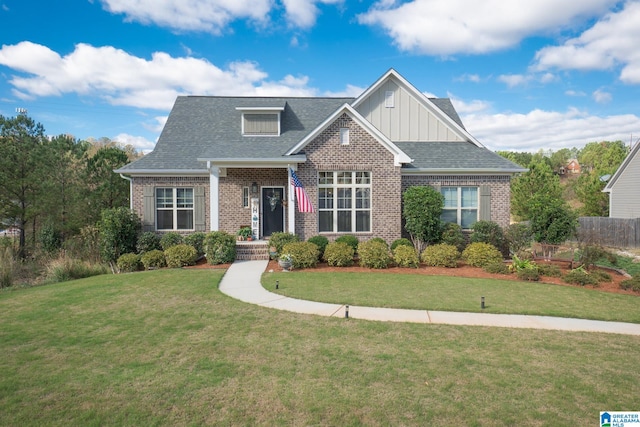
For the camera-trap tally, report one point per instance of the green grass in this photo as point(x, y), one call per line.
point(167, 348)
point(446, 293)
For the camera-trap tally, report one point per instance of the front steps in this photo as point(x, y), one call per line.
point(254, 250)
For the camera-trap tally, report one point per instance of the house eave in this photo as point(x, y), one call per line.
point(162, 172)
point(273, 162)
point(455, 171)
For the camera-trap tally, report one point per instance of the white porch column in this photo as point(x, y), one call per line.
point(214, 208)
point(291, 205)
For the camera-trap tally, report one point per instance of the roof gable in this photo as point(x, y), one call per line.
point(629, 160)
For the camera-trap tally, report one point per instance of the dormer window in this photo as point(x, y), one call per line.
point(261, 121)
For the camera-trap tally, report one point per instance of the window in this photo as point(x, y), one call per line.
point(344, 202)
point(245, 197)
point(389, 99)
point(174, 208)
point(344, 136)
point(460, 205)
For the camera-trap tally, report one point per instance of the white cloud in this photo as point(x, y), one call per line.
point(350, 91)
point(611, 42)
point(474, 106)
point(469, 78)
point(602, 97)
point(448, 27)
point(513, 80)
point(575, 93)
point(124, 79)
point(303, 13)
point(138, 142)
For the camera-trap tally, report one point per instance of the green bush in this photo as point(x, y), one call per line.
point(631, 284)
point(530, 274)
point(220, 247)
point(480, 254)
point(279, 239)
point(440, 255)
point(50, 238)
point(153, 259)
point(64, 268)
point(321, 242)
point(128, 262)
point(303, 254)
point(7, 266)
point(406, 256)
point(118, 229)
point(350, 240)
point(488, 232)
point(148, 241)
point(518, 237)
point(197, 241)
point(374, 254)
point(580, 276)
point(452, 235)
point(497, 268)
point(380, 240)
point(549, 270)
point(401, 242)
point(180, 255)
point(171, 239)
point(601, 276)
point(338, 254)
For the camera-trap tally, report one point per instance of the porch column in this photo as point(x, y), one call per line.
point(214, 208)
point(291, 205)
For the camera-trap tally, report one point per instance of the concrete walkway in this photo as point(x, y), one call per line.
point(242, 282)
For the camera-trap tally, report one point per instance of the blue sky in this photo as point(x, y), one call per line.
point(523, 76)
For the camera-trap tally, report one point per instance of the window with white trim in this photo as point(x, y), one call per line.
point(344, 136)
point(344, 202)
point(245, 197)
point(174, 208)
point(460, 205)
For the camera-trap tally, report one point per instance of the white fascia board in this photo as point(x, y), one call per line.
point(623, 166)
point(277, 162)
point(452, 171)
point(422, 98)
point(260, 108)
point(398, 155)
point(163, 172)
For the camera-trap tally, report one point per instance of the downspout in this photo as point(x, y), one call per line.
point(130, 190)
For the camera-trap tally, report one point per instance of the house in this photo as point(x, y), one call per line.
point(573, 166)
point(226, 162)
point(624, 187)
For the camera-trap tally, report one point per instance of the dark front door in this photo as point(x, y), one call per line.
point(272, 210)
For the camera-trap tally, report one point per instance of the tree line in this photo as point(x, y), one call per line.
point(50, 188)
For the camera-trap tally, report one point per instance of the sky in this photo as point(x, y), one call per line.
point(523, 75)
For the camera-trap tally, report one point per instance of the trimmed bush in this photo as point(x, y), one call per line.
point(197, 241)
point(488, 232)
point(601, 276)
point(338, 254)
point(581, 277)
point(128, 262)
point(480, 254)
point(171, 239)
point(549, 270)
point(401, 242)
point(452, 235)
point(374, 254)
point(380, 240)
point(406, 256)
point(350, 240)
point(497, 268)
point(279, 239)
point(148, 241)
point(220, 247)
point(321, 242)
point(440, 255)
point(303, 254)
point(180, 255)
point(631, 284)
point(530, 274)
point(153, 259)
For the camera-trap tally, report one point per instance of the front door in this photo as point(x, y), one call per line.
point(272, 210)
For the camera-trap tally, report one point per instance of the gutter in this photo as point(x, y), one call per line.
point(130, 190)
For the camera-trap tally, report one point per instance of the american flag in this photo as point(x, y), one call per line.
point(304, 204)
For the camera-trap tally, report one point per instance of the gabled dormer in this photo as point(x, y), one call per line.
point(261, 121)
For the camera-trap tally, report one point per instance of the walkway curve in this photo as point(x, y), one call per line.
point(242, 282)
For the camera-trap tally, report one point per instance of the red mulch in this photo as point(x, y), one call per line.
point(462, 271)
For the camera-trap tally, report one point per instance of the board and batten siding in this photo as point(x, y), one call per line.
point(624, 200)
point(408, 119)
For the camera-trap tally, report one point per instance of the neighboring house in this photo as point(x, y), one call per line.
point(573, 166)
point(226, 162)
point(624, 187)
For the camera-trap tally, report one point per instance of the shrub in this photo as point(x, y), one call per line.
point(550, 270)
point(631, 284)
point(480, 254)
point(153, 259)
point(338, 254)
point(441, 255)
point(350, 240)
point(406, 256)
point(518, 237)
point(7, 267)
point(50, 238)
point(128, 262)
point(531, 274)
point(421, 210)
point(601, 276)
point(518, 264)
point(488, 232)
point(374, 254)
point(401, 242)
point(497, 268)
point(148, 241)
point(303, 254)
point(197, 241)
point(380, 240)
point(65, 268)
point(452, 235)
point(119, 229)
point(220, 247)
point(180, 255)
point(279, 239)
point(580, 276)
point(171, 239)
point(321, 242)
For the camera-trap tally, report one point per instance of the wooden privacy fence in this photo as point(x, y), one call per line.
point(615, 232)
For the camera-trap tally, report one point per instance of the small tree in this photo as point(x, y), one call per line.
point(119, 229)
point(421, 212)
point(552, 220)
